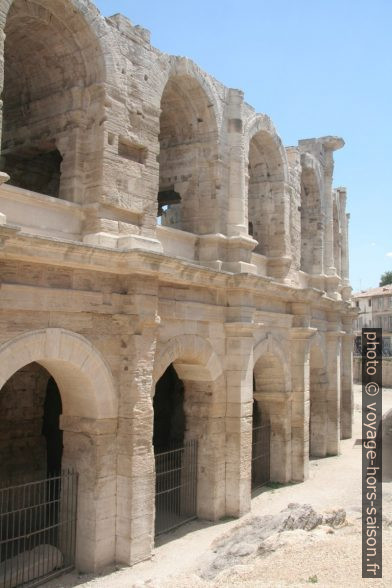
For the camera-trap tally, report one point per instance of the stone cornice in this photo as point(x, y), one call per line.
point(18, 246)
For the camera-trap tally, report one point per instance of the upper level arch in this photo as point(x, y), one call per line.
point(188, 141)
point(312, 216)
point(55, 68)
point(267, 173)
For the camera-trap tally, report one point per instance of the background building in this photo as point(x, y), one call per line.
point(375, 310)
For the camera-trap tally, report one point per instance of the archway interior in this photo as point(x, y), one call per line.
point(186, 198)
point(312, 224)
point(30, 451)
point(265, 208)
point(169, 415)
point(318, 404)
point(51, 62)
point(267, 379)
point(30, 440)
point(53, 408)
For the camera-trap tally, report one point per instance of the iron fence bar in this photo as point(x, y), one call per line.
point(37, 529)
point(176, 481)
point(261, 455)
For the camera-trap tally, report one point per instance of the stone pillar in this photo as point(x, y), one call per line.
point(239, 377)
point(333, 392)
point(135, 454)
point(204, 406)
point(343, 229)
point(236, 214)
point(346, 401)
point(276, 406)
point(299, 357)
point(330, 144)
point(71, 150)
point(90, 449)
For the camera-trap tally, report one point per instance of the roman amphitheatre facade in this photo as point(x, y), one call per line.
point(174, 282)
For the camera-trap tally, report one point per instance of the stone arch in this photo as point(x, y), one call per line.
point(273, 401)
point(312, 216)
point(200, 371)
point(89, 425)
point(55, 67)
point(192, 356)
point(262, 124)
point(318, 387)
point(188, 137)
point(182, 66)
point(267, 175)
point(271, 346)
point(89, 385)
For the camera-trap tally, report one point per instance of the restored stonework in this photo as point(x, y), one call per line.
point(151, 219)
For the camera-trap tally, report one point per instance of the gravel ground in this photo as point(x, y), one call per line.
point(324, 555)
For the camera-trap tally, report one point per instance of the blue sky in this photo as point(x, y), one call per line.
point(316, 67)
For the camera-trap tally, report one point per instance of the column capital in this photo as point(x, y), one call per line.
point(302, 333)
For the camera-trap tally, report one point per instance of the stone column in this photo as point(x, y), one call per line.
point(346, 402)
point(236, 214)
point(239, 377)
point(276, 406)
point(135, 454)
point(300, 402)
point(333, 393)
point(330, 144)
point(204, 407)
point(342, 214)
point(90, 449)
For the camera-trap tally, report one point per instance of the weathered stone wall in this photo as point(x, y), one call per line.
point(247, 279)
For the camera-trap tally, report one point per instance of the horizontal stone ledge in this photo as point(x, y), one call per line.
point(88, 426)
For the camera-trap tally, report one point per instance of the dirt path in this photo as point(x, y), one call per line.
point(324, 556)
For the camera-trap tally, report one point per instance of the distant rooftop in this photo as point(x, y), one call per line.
point(374, 292)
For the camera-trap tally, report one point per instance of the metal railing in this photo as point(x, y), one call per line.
point(175, 487)
point(37, 530)
point(261, 440)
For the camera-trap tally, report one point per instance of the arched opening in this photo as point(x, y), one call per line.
point(265, 195)
point(50, 131)
point(175, 459)
point(55, 393)
point(28, 420)
point(261, 448)
point(189, 433)
point(36, 517)
point(169, 416)
point(318, 419)
point(53, 408)
point(312, 224)
point(187, 190)
point(271, 451)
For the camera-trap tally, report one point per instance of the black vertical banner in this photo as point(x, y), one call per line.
point(371, 453)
